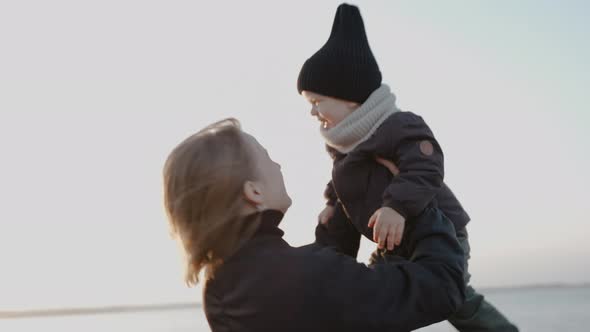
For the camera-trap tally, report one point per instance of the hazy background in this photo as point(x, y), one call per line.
point(95, 94)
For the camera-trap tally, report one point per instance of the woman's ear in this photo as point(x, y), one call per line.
point(253, 194)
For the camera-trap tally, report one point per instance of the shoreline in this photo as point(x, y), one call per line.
point(532, 287)
point(81, 311)
point(125, 309)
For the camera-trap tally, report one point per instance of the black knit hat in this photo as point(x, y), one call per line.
point(344, 67)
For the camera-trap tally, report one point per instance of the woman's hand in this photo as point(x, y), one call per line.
point(326, 214)
point(389, 165)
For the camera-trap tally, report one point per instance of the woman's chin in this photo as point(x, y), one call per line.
point(287, 205)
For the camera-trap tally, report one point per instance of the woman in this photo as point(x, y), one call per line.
point(225, 198)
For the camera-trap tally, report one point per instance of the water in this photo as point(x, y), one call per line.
point(539, 310)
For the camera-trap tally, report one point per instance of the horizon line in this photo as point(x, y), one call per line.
point(122, 309)
point(111, 309)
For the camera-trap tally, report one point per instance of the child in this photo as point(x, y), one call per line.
point(360, 122)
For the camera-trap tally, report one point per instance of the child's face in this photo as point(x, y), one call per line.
point(329, 111)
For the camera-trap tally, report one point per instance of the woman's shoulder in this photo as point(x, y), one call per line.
point(251, 267)
point(262, 267)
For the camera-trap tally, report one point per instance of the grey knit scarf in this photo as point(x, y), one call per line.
point(362, 122)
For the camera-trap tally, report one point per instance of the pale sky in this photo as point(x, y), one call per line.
point(93, 96)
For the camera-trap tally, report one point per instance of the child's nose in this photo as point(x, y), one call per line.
point(314, 112)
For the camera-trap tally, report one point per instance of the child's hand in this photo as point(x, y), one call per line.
point(388, 227)
point(326, 214)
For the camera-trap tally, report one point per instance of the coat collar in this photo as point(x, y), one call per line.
point(269, 223)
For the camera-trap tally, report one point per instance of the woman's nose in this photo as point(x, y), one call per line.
point(314, 112)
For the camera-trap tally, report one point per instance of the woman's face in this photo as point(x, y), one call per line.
point(268, 189)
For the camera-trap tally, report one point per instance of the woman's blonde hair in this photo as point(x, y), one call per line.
point(204, 178)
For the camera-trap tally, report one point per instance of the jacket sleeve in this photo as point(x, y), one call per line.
point(419, 158)
point(339, 234)
point(401, 295)
point(330, 194)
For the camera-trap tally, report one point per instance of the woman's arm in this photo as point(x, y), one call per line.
point(398, 296)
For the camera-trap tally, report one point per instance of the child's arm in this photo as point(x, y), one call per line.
point(331, 200)
point(330, 194)
point(410, 144)
point(419, 158)
point(339, 233)
point(334, 228)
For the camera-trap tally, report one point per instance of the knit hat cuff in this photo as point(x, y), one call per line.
point(343, 81)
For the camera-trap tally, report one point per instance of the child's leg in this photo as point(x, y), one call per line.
point(476, 314)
